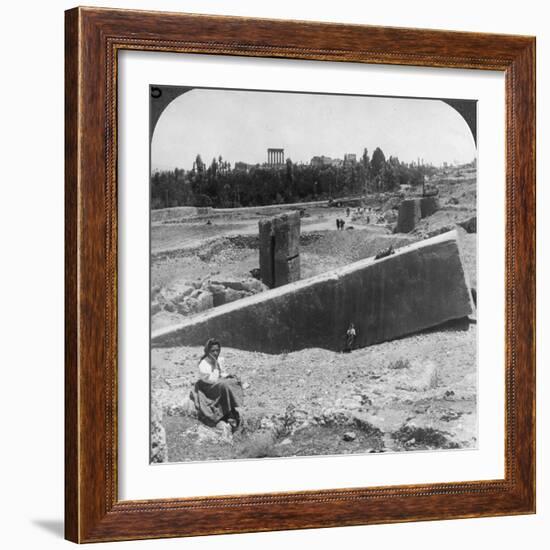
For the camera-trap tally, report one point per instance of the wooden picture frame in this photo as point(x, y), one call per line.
point(93, 511)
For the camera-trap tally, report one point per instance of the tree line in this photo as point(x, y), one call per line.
point(223, 186)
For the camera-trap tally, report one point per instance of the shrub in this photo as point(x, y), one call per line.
point(400, 364)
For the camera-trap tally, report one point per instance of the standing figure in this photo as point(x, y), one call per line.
point(351, 334)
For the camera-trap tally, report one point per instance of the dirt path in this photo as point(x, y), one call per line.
point(174, 236)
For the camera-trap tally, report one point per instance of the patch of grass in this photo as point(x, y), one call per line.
point(400, 364)
point(286, 424)
point(423, 437)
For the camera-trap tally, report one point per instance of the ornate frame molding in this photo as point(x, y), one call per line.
point(93, 39)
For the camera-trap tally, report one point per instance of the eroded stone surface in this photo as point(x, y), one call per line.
point(409, 215)
point(280, 249)
point(420, 286)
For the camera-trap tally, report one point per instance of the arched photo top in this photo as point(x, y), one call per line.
point(241, 125)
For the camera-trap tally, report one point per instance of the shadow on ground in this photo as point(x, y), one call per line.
point(55, 527)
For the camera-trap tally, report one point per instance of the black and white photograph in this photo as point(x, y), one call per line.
point(313, 270)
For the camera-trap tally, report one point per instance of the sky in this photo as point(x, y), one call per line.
point(241, 125)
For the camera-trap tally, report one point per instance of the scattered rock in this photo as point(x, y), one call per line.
point(176, 292)
point(159, 450)
point(424, 376)
point(267, 423)
point(205, 300)
point(470, 224)
point(450, 415)
point(178, 382)
point(218, 293)
point(204, 434)
point(185, 408)
point(411, 435)
point(350, 436)
point(235, 285)
point(232, 295)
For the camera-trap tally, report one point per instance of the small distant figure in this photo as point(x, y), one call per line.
point(208, 222)
point(351, 334)
point(368, 220)
point(338, 224)
point(342, 223)
point(347, 211)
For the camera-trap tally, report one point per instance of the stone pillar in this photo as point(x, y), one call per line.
point(409, 215)
point(428, 206)
point(280, 249)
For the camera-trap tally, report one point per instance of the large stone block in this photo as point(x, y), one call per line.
point(420, 286)
point(409, 215)
point(279, 247)
point(267, 245)
point(428, 206)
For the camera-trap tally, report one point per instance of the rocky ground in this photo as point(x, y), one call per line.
point(416, 393)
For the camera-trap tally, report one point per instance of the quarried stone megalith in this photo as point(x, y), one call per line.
point(428, 206)
point(420, 286)
point(409, 215)
point(411, 211)
point(280, 249)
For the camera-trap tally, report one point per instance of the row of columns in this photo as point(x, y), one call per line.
point(275, 156)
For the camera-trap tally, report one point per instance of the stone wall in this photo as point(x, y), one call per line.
point(420, 286)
